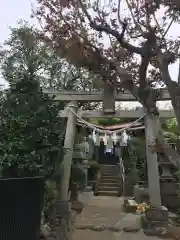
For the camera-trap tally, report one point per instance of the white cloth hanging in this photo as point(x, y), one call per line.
point(94, 136)
point(105, 138)
point(124, 139)
point(110, 142)
point(84, 147)
point(97, 141)
point(109, 146)
point(114, 137)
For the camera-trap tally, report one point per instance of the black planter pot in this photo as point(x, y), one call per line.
point(20, 208)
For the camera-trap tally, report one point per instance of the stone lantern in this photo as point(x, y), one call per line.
point(81, 156)
point(169, 185)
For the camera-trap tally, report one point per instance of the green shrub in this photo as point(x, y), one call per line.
point(31, 132)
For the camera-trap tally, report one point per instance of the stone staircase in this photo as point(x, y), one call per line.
point(108, 182)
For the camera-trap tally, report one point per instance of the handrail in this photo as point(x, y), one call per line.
point(122, 169)
point(122, 173)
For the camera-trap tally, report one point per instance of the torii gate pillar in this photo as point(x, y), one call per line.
point(152, 161)
point(63, 206)
point(68, 146)
point(156, 215)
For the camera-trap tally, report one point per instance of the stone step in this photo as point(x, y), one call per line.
point(109, 171)
point(108, 180)
point(108, 188)
point(108, 168)
point(108, 177)
point(107, 193)
point(109, 174)
point(110, 184)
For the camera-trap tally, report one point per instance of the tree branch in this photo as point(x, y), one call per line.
point(146, 93)
point(147, 53)
point(163, 66)
point(118, 13)
point(170, 24)
point(143, 71)
point(127, 82)
point(107, 29)
point(179, 73)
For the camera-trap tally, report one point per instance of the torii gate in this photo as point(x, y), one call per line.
point(108, 96)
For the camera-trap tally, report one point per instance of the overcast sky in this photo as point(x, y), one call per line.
point(13, 10)
point(10, 12)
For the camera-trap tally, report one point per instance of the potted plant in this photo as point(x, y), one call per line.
point(30, 148)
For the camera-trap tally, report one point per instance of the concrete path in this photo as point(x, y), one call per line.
point(103, 219)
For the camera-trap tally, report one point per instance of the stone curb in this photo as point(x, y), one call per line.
point(98, 228)
point(106, 228)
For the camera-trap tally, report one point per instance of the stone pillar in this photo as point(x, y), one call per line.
point(63, 207)
point(152, 161)
point(169, 185)
point(156, 217)
point(63, 215)
point(68, 146)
